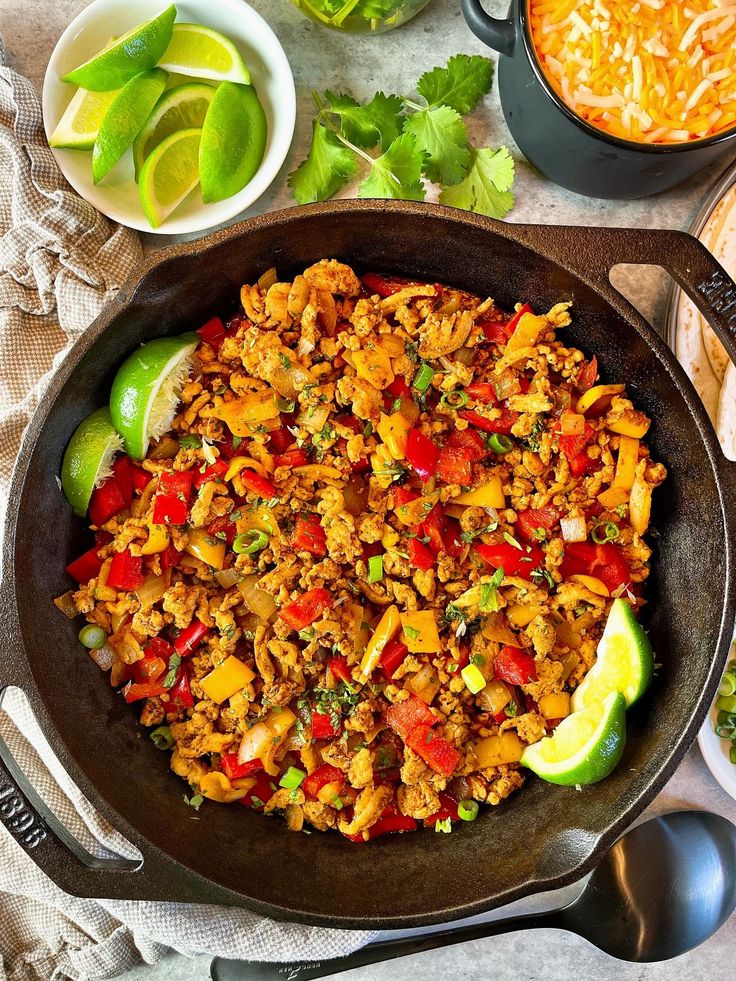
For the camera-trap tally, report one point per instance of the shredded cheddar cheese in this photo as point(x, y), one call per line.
point(655, 71)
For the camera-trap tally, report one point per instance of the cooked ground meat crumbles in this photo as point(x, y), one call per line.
point(375, 554)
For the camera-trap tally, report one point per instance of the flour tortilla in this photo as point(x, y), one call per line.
point(719, 237)
point(726, 419)
point(690, 351)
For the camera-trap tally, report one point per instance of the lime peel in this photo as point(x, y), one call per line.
point(183, 107)
point(88, 458)
point(169, 175)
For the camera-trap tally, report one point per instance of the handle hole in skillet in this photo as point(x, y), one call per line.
point(645, 287)
point(53, 794)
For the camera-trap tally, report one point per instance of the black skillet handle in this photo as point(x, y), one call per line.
point(497, 34)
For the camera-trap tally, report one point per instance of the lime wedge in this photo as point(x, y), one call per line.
point(585, 747)
point(624, 660)
point(124, 119)
point(146, 390)
point(132, 53)
point(169, 174)
point(78, 127)
point(233, 141)
point(200, 52)
point(183, 107)
point(88, 458)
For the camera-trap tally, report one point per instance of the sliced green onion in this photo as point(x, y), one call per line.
point(728, 684)
point(162, 738)
point(467, 810)
point(92, 637)
point(375, 568)
point(250, 542)
point(454, 400)
point(473, 678)
point(284, 405)
point(725, 732)
point(499, 443)
point(423, 378)
point(723, 718)
point(292, 778)
point(726, 703)
point(605, 531)
point(732, 755)
point(444, 826)
point(337, 803)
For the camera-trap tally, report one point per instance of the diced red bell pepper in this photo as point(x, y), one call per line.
point(484, 392)
point(451, 541)
point(531, 520)
point(386, 285)
point(140, 477)
point(324, 774)
point(606, 562)
point(573, 445)
point(583, 464)
point(122, 470)
point(514, 666)
point(448, 809)
point(291, 458)
point(391, 774)
point(494, 331)
point(171, 503)
point(392, 656)
point(513, 561)
point(281, 439)
point(260, 793)
point(588, 376)
point(403, 495)
point(257, 485)
point(86, 567)
point(181, 692)
point(340, 669)
point(468, 441)
point(433, 528)
point(436, 751)
point(420, 556)
point(154, 662)
point(216, 471)
point(405, 716)
point(234, 770)
point(107, 500)
point(213, 333)
point(169, 557)
point(512, 324)
point(190, 638)
point(126, 571)
point(310, 536)
point(454, 466)
point(370, 549)
point(223, 528)
point(422, 454)
point(392, 823)
point(135, 691)
point(350, 421)
point(324, 727)
point(102, 537)
point(302, 612)
point(501, 425)
point(399, 389)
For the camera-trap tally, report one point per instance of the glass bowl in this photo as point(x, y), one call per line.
point(361, 16)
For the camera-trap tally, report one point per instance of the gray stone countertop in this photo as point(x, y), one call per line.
point(323, 59)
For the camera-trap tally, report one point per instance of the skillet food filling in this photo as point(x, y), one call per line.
point(375, 554)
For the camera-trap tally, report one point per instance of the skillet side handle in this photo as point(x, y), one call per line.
point(497, 34)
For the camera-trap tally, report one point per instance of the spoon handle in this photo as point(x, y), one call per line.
point(385, 950)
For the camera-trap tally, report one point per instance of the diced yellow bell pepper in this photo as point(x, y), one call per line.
point(633, 424)
point(555, 705)
point(391, 345)
point(592, 583)
point(640, 503)
point(506, 747)
point(318, 471)
point(209, 550)
point(613, 498)
point(521, 616)
point(487, 495)
point(239, 463)
point(382, 464)
point(374, 366)
point(118, 620)
point(419, 632)
point(495, 696)
point(280, 720)
point(527, 332)
point(260, 518)
point(158, 540)
point(226, 679)
point(387, 627)
point(628, 456)
point(394, 431)
point(417, 510)
point(328, 793)
point(216, 786)
point(588, 399)
point(243, 414)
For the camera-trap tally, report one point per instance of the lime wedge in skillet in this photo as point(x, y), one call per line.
point(88, 458)
point(125, 118)
point(130, 54)
point(233, 141)
point(78, 127)
point(624, 660)
point(146, 390)
point(183, 107)
point(169, 174)
point(200, 52)
point(584, 748)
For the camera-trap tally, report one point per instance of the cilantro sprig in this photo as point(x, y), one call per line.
point(412, 140)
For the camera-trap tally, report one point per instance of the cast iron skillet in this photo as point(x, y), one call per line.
point(543, 837)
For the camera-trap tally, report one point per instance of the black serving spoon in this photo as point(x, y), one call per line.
point(663, 888)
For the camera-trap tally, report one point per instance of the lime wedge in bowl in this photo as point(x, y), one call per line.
point(125, 118)
point(200, 52)
point(134, 52)
point(233, 141)
point(88, 458)
point(584, 748)
point(183, 107)
point(169, 174)
point(78, 127)
point(624, 660)
point(146, 390)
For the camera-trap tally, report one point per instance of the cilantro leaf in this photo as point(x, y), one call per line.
point(379, 9)
point(396, 173)
point(460, 85)
point(486, 188)
point(441, 134)
point(378, 121)
point(328, 166)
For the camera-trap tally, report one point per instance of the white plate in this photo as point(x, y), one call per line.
point(117, 195)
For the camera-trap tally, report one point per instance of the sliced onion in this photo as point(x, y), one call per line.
point(66, 604)
point(268, 278)
point(314, 419)
point(496, 629)
point(304, 347)
point(153, 589)
point(356, 495)
point(573, 529)
point(494, 697)
point(257, 600)
point(227, 577)
point(257, 743)
point(290, 381)
point(104, 657)
point(449, 307)
point(465, 355)
point(165, 449)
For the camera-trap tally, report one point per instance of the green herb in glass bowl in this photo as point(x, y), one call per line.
point(361, 16)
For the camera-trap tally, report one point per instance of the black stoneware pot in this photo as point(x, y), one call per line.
point(544, 836)
point(563, 146)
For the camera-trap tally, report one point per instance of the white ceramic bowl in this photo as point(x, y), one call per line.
point(117, 195)
point(716, 750)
